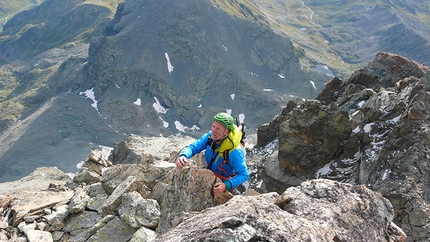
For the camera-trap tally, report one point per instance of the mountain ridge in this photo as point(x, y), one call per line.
point(247, 62)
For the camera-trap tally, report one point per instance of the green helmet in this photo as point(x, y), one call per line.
point(225, 119)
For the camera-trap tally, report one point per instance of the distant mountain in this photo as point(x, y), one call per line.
point(345, 35)
point(163, 67)
point(9, 8)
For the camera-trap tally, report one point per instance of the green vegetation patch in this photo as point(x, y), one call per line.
point(241, 8)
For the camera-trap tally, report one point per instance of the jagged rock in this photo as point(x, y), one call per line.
point(314, 134)
point(115, 230)
point(137, 211)
point(87, 176)
point(350, 213)
point(96, 189)
point(79, 201)
point(189, 190)
point(97, 161)
point(134, 149)
point(187, 200)
point(148, 175)
point(81, 221)
point(143, 234)
point(81, 235)
point(58, 215)
point(129, 185)
point(31, 194)
point(92, 168)
point(318, 210)
point(268, 132)
point(39, 236)
point(97, 203)
point(387, 69)
point(3, 235)
point(386, 149)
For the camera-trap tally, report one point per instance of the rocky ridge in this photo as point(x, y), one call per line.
point(146, 202)
point(372, 129)
point(340, 194)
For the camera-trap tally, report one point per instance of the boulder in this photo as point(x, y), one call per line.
point(317, 210)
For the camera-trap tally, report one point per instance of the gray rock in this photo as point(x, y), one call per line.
point(143, 234)
point(87, 176)
point(96, 203)
point(39, 236)
point(96, 189)
point(189, 190)
point(138, 212)
point(82, 235)
point(113, 176)
point(129, 185)
point(385, 148)
point(114, 231)
point(318, 210)
point(97, 161)
point(313, 135)
point(82, 221)
point(349, 213)
point(59, 214)
point(132, 150)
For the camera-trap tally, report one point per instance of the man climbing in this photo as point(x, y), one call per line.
point(224, 156)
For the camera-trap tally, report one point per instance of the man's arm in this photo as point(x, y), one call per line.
point(192, 149)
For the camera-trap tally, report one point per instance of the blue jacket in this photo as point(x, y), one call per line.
point(236, 165)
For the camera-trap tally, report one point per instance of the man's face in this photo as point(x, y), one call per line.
point(218, 131)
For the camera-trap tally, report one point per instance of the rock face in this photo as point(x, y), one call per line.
point(194, 55)
point(134, 202)
point(318, 210)
point(372, 129)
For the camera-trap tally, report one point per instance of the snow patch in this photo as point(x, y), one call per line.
point(368, 128)
point(90, 94)
point(106, 150)
point(184, 128)
point(138, 102)
point(158, 107)
point(313, 84)
point(169, 65)
point(165, 124)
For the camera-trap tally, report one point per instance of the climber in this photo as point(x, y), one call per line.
point(225, 155)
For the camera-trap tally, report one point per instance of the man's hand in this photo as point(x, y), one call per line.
point(218, 187)
point(181, 161)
